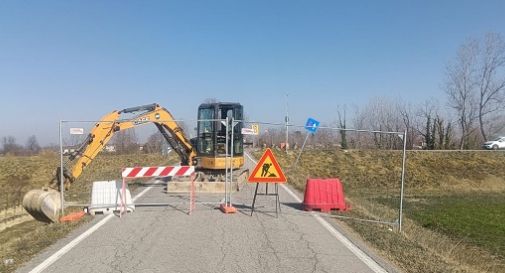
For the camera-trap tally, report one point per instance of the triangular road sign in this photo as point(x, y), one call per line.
point(267, 170)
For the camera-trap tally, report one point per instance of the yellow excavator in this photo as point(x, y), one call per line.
point(207, 152)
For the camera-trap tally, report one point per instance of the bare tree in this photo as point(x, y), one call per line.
point(154, 143)
point(10, 146)
point(126, 141)
point(410, 121)
point(382, 114)
point(358, 122)
point(448, 144)
point(426, 114)
point(32, 145)
point(476, 86)
point(490, 78)
point(342, 120)
point(322, 138)
point(460, 88)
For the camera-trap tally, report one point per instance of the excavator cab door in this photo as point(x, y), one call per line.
point(211, 139)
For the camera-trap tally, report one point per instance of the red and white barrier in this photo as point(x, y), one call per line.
point(144, 172)
point(163, 171)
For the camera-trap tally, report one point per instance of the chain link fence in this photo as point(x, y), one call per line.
point(370, 165)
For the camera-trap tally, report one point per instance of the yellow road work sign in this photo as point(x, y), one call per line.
point(267, 170)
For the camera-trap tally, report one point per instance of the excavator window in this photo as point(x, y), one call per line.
point(212, 134)
point(205, 144)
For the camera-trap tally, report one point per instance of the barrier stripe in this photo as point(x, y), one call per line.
point(134, 172)
point(181, 171)
point(137, 172)
point(150, 171)
point(166, 171)
point(158, 172)
point(142, 172)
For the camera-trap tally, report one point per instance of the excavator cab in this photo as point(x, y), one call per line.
point(211, 139)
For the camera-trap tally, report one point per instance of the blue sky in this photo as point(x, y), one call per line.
point(81, 59)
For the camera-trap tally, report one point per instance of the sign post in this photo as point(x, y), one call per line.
point(311, 126)
point(267, 171)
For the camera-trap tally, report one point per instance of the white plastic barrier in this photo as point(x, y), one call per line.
point(107, 196)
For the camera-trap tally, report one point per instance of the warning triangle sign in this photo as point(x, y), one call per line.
point(267, 170)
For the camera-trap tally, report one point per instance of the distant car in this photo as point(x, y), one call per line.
point(498, 143)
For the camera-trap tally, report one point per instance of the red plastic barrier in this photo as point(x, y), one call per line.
point(324, 195)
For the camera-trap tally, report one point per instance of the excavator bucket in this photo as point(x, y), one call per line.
point(43, 204)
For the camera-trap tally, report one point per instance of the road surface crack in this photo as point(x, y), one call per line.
point(269, 245)
point(293, 227)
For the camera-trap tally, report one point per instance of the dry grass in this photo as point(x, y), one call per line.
point(442, 189)
point(21, 242)
point(18, 175)
point(109, 167)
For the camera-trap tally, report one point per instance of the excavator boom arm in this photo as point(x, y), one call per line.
point(170, 130)
point(111, 123)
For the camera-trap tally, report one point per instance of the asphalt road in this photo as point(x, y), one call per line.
point(167, 239)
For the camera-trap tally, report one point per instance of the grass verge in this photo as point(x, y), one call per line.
point(454, 211)
point(21, 242)
point(18, 175)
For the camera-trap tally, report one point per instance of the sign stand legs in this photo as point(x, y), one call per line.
point(278, 198)
point(276, 194)
point(254, 199)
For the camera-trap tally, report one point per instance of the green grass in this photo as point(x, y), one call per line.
point(477, 219)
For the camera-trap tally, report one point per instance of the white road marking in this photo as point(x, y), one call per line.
point(373, 265)
point(62, 251)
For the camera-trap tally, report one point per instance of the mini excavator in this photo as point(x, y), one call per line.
point(207, 152)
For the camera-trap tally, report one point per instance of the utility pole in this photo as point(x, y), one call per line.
point(287, 123)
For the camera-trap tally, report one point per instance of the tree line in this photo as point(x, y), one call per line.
point(474, 89)
point(11, 147)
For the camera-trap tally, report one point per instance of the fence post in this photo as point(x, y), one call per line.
point(400, 216)
point(62, 182)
